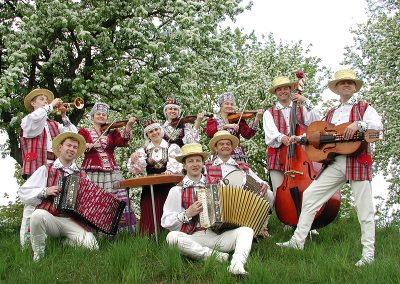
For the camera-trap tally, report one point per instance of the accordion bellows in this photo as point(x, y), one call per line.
point(90, 204)
point(226, 207)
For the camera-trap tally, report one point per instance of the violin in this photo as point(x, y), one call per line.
point(113, 125)
point(325, 140)
point(179, 121)
point(234, 117)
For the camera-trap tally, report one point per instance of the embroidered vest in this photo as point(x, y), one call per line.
point(174, 135)
point(188, 198)
point(54, 177)
point(274, 154)
point(34, 150)
point(214, 173)
point(154, 167)
point(358, 165)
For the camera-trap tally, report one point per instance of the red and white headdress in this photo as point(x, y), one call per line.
point(172, 102)
point(150, 124)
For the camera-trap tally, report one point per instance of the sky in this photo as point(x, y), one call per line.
point(324, 24)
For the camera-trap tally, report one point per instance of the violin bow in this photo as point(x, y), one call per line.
point(101, 135)
point(173, 132)
point(241, 113)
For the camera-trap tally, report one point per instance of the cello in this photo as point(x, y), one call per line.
point(298, 175)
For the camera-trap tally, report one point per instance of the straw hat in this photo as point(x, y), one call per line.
point(223, 135)
point(346, 74)
point(68, 134)
point(280, 81)
point(191, 150)
point(37, 92)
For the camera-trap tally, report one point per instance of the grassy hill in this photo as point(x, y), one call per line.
point(327, 258)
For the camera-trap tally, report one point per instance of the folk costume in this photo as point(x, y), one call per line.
point(276, 122)
point(356, 169)
point(217, 123)
point(37, 132)
point(181, 134)
point(100, 165)
point(45, 219)
point(217, 169)
point(154, 160)
point(192, 240)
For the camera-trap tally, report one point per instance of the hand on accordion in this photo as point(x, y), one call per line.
point(52, 190)
point(194, 209)
point(263, 189)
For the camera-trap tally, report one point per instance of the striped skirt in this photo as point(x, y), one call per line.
point(106, 180)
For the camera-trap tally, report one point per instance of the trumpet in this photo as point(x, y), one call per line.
point(78, 103)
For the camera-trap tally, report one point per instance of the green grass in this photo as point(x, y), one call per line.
point(328, 258)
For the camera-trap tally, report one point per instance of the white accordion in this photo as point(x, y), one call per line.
point(230, 206)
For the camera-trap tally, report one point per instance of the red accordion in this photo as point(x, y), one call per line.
point(87, 202)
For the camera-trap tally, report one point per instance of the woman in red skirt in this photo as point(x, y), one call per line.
point(157, 157)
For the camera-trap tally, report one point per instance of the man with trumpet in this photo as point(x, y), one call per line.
point(37, 132)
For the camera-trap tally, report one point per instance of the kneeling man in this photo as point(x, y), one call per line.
point(41, 188)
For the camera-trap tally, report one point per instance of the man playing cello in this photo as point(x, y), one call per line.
point(353, 168)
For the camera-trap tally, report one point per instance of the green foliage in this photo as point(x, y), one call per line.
point(132, 54)
point(375, 54)
point(327, 258)
point(10, 217)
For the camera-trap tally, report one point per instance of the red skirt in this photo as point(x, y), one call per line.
point(146, 215)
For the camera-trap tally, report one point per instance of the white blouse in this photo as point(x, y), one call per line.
point(138, 165)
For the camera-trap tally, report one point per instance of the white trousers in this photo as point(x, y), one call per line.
point(44, 223)
point(24, 235)
point(201, 244)
point(276, 180)
point(322, 189)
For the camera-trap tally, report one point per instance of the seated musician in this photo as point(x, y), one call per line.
point(355, 168)
point(221, 146)
point(41, 188)
point(182, 133)
point(180, 216)
point(157, 157)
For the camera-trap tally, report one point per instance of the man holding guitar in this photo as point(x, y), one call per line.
point(355, 168)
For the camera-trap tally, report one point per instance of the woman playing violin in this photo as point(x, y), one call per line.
point(99, 162)
point(179, 133)
point(221, 122)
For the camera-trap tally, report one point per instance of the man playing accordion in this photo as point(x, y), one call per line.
point(41, 188)
point(181, 217)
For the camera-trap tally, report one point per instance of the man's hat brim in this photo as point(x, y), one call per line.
point(75, 136)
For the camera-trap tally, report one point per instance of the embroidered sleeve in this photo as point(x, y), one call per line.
point(66, 121)
point(308, 104)
point(362, 126)
point(67, 125)
point(126, 134)
point(182, 217)
point(172, 164)
point(191, 134)
point(138, 164)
